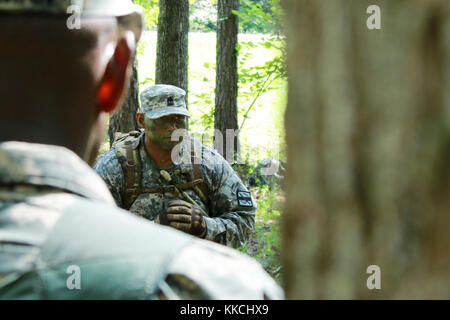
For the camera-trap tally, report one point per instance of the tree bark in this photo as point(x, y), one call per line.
point(368, 135)
point(225, 114)
point(124, 119)
point(172, 45)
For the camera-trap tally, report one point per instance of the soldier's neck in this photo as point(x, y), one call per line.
point(163, 158)
point(11, 130)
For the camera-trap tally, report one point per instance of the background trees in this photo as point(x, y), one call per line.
point(368, 137)
point(172, 47)
point(225, 114)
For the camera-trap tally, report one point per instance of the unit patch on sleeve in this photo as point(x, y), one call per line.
point(244, 199)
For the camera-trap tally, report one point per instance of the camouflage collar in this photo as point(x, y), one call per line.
point(52, 166)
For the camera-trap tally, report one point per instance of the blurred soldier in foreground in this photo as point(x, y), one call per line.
point(202, 195)
point(61, 235)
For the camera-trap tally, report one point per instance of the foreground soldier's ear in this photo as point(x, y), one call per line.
point(117, 73)
point(140, 119)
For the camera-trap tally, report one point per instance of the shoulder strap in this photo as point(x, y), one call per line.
point(201, 189)
point(127, 153)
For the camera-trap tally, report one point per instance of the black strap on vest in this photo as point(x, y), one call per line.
point(201, 190)
point(133, 174)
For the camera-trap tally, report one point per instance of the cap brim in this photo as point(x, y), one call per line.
point(156, 114)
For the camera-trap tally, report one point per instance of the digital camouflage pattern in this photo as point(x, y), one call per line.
point(55, 212)
point(162, 100)
point(231, 210)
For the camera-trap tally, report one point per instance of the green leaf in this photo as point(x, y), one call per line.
point(222, 18)
point(237, 13)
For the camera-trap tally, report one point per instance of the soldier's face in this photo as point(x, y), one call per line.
point(160, 130)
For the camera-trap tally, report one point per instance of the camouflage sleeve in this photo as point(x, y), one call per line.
point(109, 168)
point(232, 209)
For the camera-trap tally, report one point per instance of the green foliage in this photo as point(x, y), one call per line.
point(151, 12)
point(256, 80)
point(255, 16)
point(260, 16)
point(205, 98)
point(244, 169)
point(265, 243)
point(203, 16)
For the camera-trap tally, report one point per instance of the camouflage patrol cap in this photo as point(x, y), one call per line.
point(162, 100)
point(128, 14)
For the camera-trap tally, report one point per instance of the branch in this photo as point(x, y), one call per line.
point(257, 96)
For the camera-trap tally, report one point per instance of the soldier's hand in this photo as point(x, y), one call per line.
point(186, 217)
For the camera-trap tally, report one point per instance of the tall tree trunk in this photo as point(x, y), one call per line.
point(225, 114)
point(368, 135)
point(124, 119)
point(172, 46)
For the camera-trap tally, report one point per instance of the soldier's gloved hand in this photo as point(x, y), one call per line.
point(186, 217)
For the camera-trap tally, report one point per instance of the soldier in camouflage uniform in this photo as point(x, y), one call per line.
point(61, 234)
point(204, 197)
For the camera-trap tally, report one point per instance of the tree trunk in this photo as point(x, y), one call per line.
point(172, 46)
point(124, 119)
point(225, 114)
point(368, 135)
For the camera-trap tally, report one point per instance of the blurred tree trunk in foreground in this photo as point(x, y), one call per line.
point(124, 118)
point(225, 112)
point(368, 134)
point(172, 46)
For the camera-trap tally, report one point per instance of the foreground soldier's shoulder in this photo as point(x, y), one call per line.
point(105, 224)
point(224, 273)
point(121, 256)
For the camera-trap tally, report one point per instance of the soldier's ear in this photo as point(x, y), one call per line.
point(140, 119)
point(117, 73)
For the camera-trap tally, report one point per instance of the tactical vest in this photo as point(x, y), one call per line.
point(127, 152)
